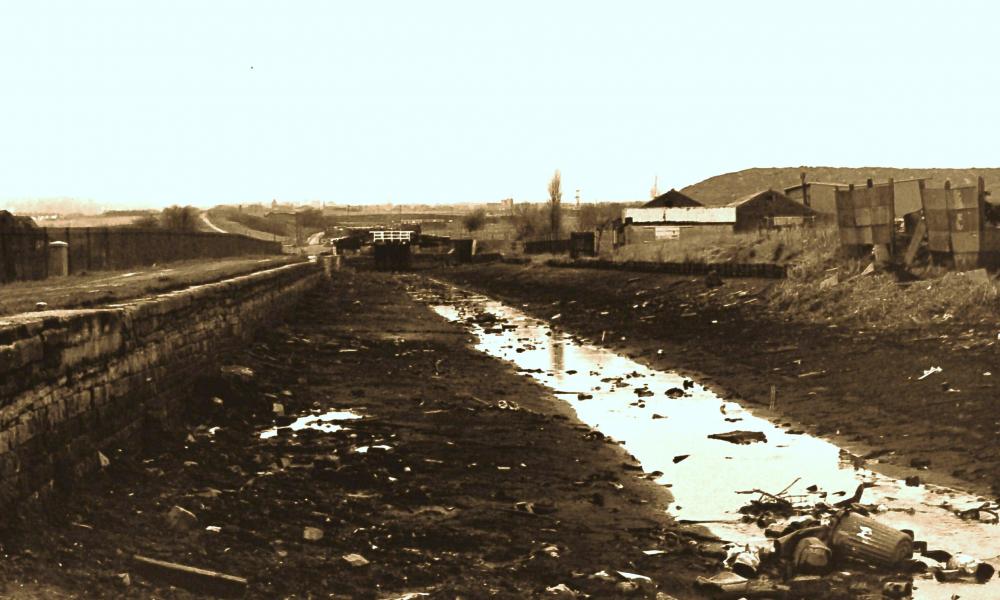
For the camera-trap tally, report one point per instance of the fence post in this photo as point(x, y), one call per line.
point(107, 248)
point(46, 230)
point(90, 266)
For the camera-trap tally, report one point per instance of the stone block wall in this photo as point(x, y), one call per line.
point(74, 382)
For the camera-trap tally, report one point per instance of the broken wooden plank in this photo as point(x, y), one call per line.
point(194, 579)
point(918, 237)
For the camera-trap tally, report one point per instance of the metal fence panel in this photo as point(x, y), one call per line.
point(24, 253)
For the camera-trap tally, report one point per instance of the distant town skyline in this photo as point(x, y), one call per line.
point(120, 105)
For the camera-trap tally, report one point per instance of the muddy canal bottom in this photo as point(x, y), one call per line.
point(668, 432)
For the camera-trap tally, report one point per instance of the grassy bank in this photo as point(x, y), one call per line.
point(825, 285)
point(812, 245)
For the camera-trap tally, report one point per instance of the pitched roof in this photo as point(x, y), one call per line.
point(775, 195)
point(671, 199)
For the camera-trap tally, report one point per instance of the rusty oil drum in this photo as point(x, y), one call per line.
point(859, 538)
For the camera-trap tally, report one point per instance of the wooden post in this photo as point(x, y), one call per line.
point(89, 253)
point(69, 254)
point(805, 189)
point(892, 217)
point(46, 230)
point(981, 201)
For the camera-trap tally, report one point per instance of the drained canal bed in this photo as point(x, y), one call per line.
point(665, 421)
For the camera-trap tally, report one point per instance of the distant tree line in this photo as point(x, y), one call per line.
point(172, 218)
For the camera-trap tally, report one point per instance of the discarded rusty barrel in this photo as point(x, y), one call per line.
point(859, 538)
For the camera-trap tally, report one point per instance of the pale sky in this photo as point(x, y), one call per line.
point(150, 103)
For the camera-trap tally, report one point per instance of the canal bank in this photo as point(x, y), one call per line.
point(862, 388)
point(456, 477)
point(682, 432)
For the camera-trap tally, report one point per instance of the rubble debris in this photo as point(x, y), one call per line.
point(740, 437)
point(744, 561)
point(181, 519)
point(897, 589)
point(355, 560)
point(961, 567)
point(201, 581)
point(561, 591)
point(312, 534)
point(929, 372)
point(730, 585)
point(240, 372)
point(812, 556)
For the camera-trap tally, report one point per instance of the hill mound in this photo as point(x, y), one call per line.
point(723, 189)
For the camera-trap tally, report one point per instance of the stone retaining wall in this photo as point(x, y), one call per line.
point(76, 382)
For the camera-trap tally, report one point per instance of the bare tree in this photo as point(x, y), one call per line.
point(555, 205)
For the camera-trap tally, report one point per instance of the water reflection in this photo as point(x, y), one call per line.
point(630, 403)
point(324, 422)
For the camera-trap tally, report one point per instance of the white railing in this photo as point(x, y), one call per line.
point(391, 236)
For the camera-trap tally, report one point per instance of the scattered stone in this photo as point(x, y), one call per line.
point(181, 519)
point(561, 591)
point(242, 373)
point(355, 560)
point(627, 587)
point(312, 534)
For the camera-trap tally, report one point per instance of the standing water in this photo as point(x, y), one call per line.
point(657, 428)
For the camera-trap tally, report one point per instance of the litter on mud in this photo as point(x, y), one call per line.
point(871, 540)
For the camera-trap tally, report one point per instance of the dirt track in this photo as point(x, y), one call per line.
point(860, 388)
point(431, 505)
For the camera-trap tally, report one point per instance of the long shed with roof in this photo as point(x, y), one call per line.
point(769, 209)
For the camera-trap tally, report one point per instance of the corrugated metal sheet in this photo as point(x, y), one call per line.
point(954, 218)
point(865, 215)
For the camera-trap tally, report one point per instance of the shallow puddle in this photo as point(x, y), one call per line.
point(325, 422)
point(659, 429)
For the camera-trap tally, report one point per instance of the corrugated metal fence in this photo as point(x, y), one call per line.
point(24, 253)
point(866, 215)
point(954, 218)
